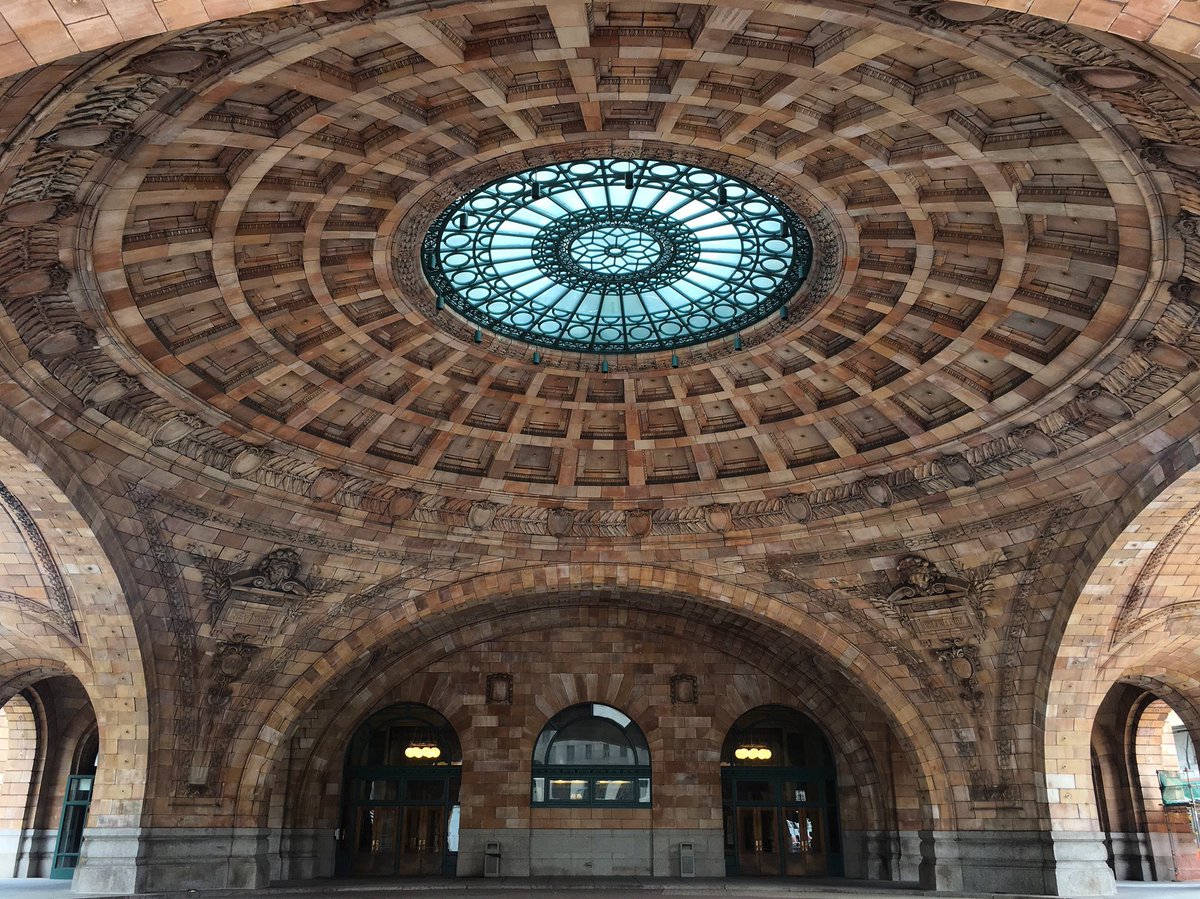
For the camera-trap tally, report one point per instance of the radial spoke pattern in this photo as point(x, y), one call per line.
point(615, 255)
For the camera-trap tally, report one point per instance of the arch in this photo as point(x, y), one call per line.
point(780, 629)
point(781, 794)
point(1124, 624)
point(75, 612)
point(861, 736)
point(400, 794)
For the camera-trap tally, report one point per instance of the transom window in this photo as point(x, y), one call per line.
point(616, 255)
point(591, 754)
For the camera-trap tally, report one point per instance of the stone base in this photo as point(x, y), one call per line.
point(144, 860)
point(881, 855)
point(302, 854)
point(1130, 856)
point(27, 853)
point(573, 852)
point(1030, 862)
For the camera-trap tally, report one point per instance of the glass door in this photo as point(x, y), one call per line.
point(758, 841)
point(423, 843)
point(70, 828)
point(403, 826)
point(375, 840)
point(804, 841)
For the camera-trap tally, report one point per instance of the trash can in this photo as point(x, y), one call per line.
point(687, 859)
point(491, 859)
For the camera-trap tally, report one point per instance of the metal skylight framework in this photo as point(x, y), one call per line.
point(616, 255)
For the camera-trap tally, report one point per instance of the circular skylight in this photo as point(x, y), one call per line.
point(616, 255)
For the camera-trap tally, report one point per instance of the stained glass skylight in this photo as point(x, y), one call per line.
point(616, 255)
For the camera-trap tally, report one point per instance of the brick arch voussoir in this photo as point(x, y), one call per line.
point(327, 724)
point(1179, 690)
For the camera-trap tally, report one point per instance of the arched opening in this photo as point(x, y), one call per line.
point(400, 804)
point(591, 755)
point(49, 746)
point(77, 801)
point(779, 792)
point(1144, 773)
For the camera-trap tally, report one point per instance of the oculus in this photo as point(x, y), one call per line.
point(616, 255)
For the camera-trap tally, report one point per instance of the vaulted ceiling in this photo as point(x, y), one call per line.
point(242, 292)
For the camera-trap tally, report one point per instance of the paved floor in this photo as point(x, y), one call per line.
point(574, 888)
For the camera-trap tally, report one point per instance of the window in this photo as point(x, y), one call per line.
point(616, 255)
point(592, 755)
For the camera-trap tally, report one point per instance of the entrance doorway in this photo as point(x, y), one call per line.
point(400, 813)
point(779, 789)
point(77, 801)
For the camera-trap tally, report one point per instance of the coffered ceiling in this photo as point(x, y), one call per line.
point(212, 254)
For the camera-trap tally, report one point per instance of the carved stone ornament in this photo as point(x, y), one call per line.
point(959, 470)
point(352, 10)
point(1184, 291)
point(325, 485)
point(62, 341)
point(1108, 78)
point(951, 14)
point(961, 660)
point(639, 523)
point(1187, 226)
point(684, 690)
point(559, 522)
point(103, 139)
point(247, 462)
point(798, 508)
point(402, 504)
point(1166, 355)
point(277, 573)
point(936, 605)
point(233, 659)
point(1179, 155)
point(965, 13)
point(175, 429)
point(1108, 404)
point(718, 518)
point(178, 62)
point(110, 390)
point(37, 212)
point(35, 282)
point(1035, 441)
point(499, 688)
point(481, 515)
point(919, 577)
point(877, 491)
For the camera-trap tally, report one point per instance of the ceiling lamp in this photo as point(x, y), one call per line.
point(752, 753)
point(422, 751)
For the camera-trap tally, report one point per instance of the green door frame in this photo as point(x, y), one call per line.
point(71, 824)
point(359, 778)
point(823, 779)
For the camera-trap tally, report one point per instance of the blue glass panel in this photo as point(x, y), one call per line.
point(616, 255)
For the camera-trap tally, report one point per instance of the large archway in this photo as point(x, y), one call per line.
point(686, 716)
point(1126, 646)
